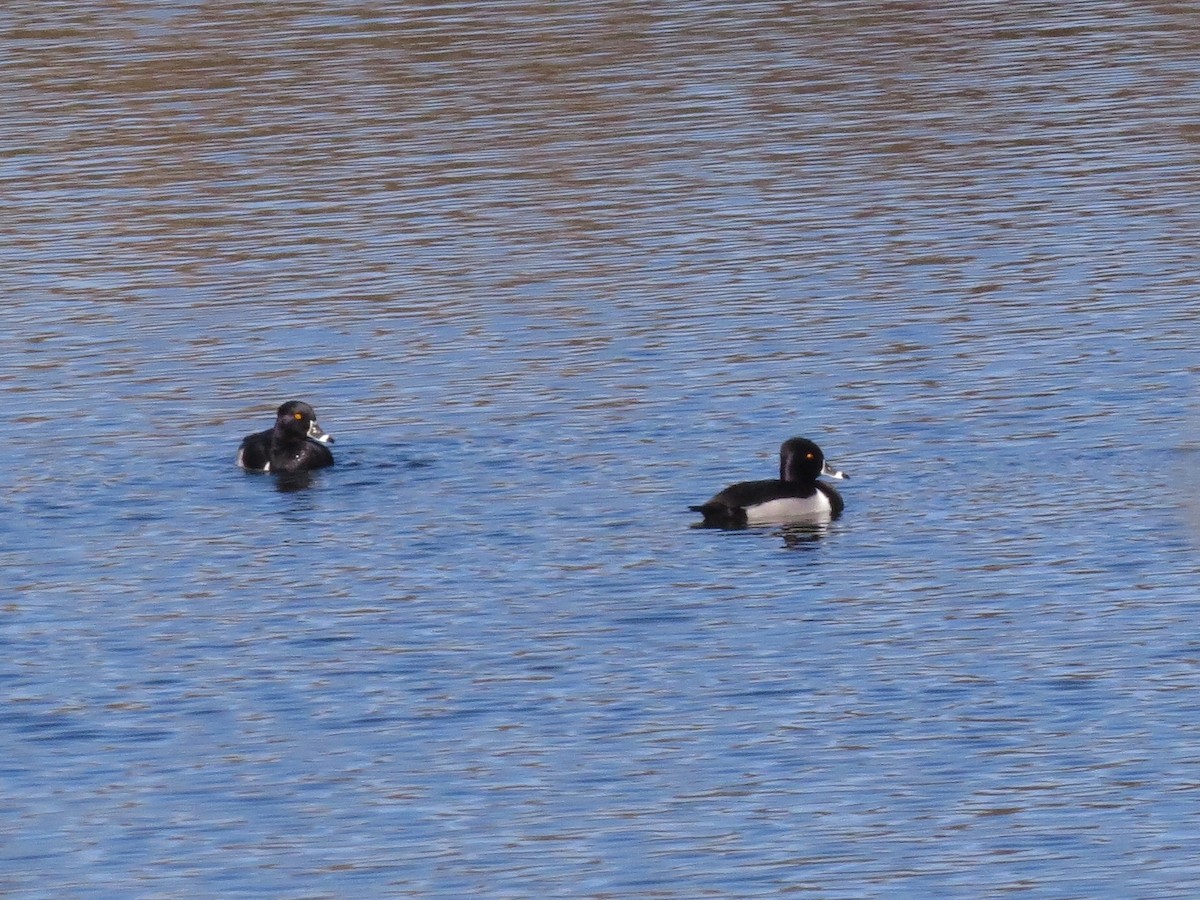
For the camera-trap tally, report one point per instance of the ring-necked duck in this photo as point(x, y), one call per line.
point(795, 495)
point(295, 444)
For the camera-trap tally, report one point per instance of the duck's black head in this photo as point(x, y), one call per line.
point(297, 419)
point(802, 460)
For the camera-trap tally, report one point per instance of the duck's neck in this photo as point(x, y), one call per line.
point(286, 440)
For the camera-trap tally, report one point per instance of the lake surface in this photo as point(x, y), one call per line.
point(550, 273)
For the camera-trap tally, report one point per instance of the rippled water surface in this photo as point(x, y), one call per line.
point(551, 273)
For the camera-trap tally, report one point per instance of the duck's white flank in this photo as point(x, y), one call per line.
point(788, 508)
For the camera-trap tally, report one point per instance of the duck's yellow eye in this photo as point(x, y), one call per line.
point(809, 456)
point(299, 416)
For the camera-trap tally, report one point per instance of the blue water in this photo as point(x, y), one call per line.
point(549, 278)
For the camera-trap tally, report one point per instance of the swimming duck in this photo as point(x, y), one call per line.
point(795, 495)
point(295, 444)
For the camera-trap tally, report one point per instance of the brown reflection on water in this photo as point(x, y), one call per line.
point(325, 149)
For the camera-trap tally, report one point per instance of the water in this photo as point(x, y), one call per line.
point(550, 274)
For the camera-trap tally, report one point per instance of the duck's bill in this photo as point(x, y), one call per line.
point(317, 433)
point(830, 472)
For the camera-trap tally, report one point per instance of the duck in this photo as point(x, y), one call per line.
point(295, 444)
point(795, 495)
